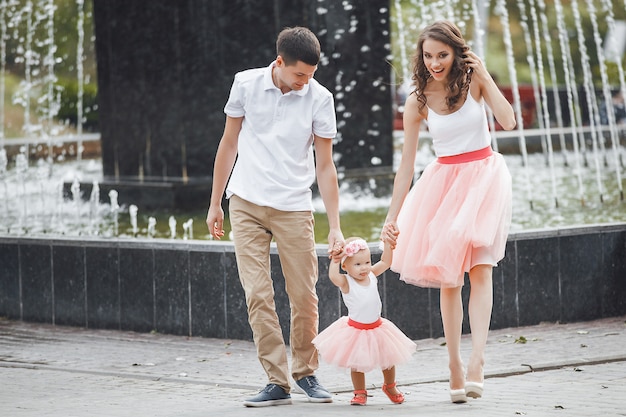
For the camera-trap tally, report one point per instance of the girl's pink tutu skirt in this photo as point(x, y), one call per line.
point(345, 346)
point(456, 216)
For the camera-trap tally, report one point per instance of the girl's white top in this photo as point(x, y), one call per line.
point(363, 301)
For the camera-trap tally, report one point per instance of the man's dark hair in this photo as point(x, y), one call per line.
point(298, 44)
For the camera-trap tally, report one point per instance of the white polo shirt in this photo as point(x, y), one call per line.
point(275, 165)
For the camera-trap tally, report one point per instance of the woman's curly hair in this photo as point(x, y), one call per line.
point(459, 80)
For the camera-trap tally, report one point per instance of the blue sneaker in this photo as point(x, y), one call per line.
point(272, 394)
point(314, 391)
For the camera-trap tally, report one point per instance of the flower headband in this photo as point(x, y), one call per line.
point(352, 248)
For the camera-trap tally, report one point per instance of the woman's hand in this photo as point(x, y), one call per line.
point(390, 233)
point(473, 62)
point(499, 105)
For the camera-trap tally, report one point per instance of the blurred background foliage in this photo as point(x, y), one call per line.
point(410, 15)
point(27, 20)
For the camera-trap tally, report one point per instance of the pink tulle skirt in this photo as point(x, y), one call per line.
point(456, 216)
point(345, 346)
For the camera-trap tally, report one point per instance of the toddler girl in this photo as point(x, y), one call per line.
point(363, 340)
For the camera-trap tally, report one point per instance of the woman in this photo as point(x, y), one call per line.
point(457, 216)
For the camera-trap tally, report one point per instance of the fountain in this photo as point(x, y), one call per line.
point(90, 255)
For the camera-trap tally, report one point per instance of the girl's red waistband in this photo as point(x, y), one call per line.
point(365, 326)
point(466, 157)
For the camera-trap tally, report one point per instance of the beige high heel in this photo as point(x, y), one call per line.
point(458, 396)
point(474, 389)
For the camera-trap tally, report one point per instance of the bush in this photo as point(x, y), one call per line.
point(69, 103)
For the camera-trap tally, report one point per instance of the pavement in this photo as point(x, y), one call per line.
point(574, 369)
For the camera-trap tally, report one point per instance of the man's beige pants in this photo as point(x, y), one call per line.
point(253, 229)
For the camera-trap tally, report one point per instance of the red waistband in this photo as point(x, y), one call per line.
point(466, 157)
point(365, 326)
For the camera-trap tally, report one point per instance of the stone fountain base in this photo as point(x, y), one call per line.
point(192, 287)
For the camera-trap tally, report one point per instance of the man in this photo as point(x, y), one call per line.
point(273, 117)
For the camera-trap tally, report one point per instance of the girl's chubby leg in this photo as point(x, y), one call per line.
point(360, 393)
point(389, 376)
point(389, 387)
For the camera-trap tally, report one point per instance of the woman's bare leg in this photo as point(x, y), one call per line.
point(480, 306)
point(452, 317)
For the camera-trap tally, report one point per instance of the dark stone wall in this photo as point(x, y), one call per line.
point(165, 69)
point(192, 287)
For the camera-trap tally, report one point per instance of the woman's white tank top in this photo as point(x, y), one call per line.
point(463, 131)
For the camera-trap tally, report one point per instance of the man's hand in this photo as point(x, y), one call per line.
point(215, 222)
point(335, 245)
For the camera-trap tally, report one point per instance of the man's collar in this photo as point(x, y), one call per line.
point(268, 82)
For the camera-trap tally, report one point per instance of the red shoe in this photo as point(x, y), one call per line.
point(360, 397)
point(395, 398)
